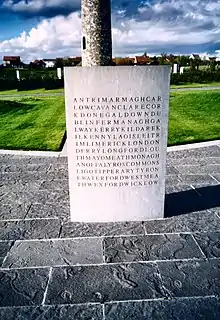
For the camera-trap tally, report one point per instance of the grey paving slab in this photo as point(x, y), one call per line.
point(200, 153)
point(47, 196)
point(202, 221)
point(170, 170)
point(30, 229)
point(54, 253)
point(179, 188)
point(56, 184)
point(191, 278)
point(5, 246)
point(216, 211)
point(65, 312)
point(198, 179)
point(22, 287)
point(41, 196)
point(104, 283)
point(151, 247)
point(22, 176)
point(49, 210)
point(15, 168)
point(198, 169)
point(14, 210)
point(195, 161)
point(19, 186)
point(209, 243)
point(173, 180)
point(217, 176)
point(180, 309)
point(58, 173)
point(72, 229)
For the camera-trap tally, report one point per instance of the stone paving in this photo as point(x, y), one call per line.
point(162, 269)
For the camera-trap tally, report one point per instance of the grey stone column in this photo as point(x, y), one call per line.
point(96, 33)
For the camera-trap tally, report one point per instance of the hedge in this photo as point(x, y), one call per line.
point(24, 85)
point(195, 77)
point(35, 79)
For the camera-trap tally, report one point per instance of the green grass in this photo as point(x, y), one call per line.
point(194, 117)
point(39, 123)
point(32, 123)
point(30, 92)
point(196, 85)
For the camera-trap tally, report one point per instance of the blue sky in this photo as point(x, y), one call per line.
point(52, 28)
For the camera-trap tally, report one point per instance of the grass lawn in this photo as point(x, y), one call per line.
point(38, 123)
point(196, 85)
point(32, 123)
point(194, 117)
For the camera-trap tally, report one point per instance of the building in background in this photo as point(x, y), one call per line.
point(12, 61)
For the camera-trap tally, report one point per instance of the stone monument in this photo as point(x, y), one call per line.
point(117, 123)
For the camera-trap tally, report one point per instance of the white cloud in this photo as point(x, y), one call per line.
point(173, 24)
point(38, 5)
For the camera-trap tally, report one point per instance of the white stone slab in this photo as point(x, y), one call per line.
point(175, 68)
point(117, 120)
point(59, 73)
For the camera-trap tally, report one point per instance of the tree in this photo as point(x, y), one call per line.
point(59, 63)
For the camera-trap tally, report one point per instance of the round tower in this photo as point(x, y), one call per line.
point(96, 33)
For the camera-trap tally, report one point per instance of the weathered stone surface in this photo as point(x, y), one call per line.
point(200, 153)
point(30, 229)
point(13, 210)
point(149, 248)
point(104, 283)
point(170, 170)
point(178, 188)
point(15, 168)
point(191, 278)
point(52, 210)
point(194, 222)
point(30, 196)
point(193, 169)
point(217, 177)
point(180, 309)
point(23, 160)
point(1, 261)
point(209, 243)
point(57, 173)
point(72, 229)
point(198, 179)
point(48, 196)
point(22, 287)
point(68, 312)
point(22, 176)
point(194, 161)
point(56, 184)
point(54, 253)
point(173, 180)
point(5, 246)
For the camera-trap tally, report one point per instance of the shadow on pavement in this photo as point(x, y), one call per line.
point(189, 201)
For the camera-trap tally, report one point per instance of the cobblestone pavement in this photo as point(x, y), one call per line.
point(163, 269)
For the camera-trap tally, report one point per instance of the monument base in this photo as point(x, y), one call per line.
point(117, 123)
